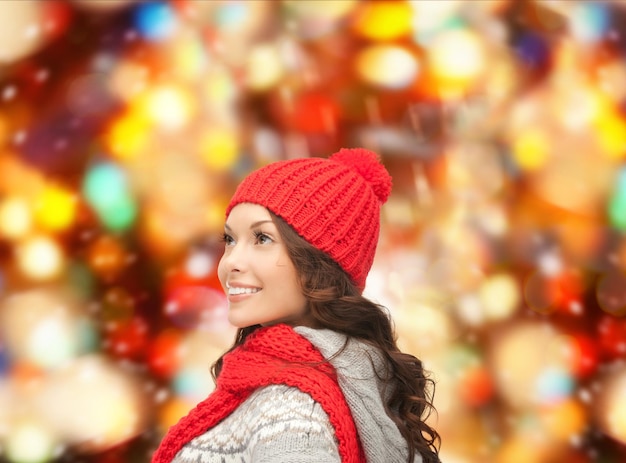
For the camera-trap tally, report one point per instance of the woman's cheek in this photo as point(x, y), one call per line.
point(221, 274)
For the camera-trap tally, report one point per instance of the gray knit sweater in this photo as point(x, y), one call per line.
point(281, 424)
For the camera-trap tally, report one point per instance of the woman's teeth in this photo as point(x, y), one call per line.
point(235, 291)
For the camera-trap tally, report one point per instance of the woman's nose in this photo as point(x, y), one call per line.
point(234, 259)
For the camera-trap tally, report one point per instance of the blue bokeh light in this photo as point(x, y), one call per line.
point(156, 21)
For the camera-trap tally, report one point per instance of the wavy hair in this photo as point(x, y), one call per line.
point(335, 303)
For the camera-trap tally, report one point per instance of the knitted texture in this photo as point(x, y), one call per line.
point(332, 203)
point(271, 355)
point(276, 424)
point(360, 368)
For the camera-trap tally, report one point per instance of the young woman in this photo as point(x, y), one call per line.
point(314, 374)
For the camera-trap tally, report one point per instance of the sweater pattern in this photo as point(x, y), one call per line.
point(269, 356)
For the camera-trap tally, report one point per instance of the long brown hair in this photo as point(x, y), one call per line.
point(334, 302)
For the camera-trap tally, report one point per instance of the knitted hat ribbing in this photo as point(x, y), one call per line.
point(333, 203)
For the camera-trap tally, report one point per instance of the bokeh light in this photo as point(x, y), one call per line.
point(611, 405)
point(21, 27)
point(523, 369)
point(30, 442)
point(107, 190)
point(169, 107)
point(387, 66)
point(15, 217)
point(107, 256)
point(590, 21)
point(192, 379)
point(164, 354)
point(155, 20)
point(56, 208)
point(531, 149)
point(40, 257)
point(219, 149)
point(499, 296)
point(617, 204)
point(45, 328)
point(457, 60)
point(197, 307)
point(318, 18)
point(129, 136)
point(384, 20)
point(264, 68)
point(432, 17)
point(565, 420)
point(93, 403)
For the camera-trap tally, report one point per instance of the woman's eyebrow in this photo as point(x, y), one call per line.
point(253, 225)
point(260, 222)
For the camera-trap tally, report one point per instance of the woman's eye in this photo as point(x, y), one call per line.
point(262, 238)
point(227, 239)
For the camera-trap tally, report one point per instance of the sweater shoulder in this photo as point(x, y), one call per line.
point(276, 421)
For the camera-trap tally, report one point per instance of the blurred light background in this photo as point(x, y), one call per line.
point(125, 127)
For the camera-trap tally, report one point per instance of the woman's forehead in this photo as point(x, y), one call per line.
point(248, 213)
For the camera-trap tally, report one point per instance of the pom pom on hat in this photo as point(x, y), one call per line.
point(333, 203)
point(366, 163)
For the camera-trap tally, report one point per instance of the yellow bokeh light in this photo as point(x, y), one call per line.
point(215, 213)
point(219, 149)
point(189, 58)
point(500, 296)
point(30, 441)
point(564, 420)
point(610, 130)
point(518, 449)
point(264, 67)
point(172, 411)
point(320, 9)
point(387, 66)
point(616, 419)
point(55, 208)
point(40, 257)
point(610, 406)
point(423, 327)
point(128, 136)
point(457, 56)
point(15, 217)
point(18, 19)
point(530, 149)
point(219, 87)
point(169, 106)
point(388, 20)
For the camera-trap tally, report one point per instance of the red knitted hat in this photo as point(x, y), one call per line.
point(333, 203)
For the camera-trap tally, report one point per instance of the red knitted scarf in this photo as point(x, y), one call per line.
point(271, 355)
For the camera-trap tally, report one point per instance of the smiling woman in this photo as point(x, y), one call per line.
point(256, 272)
point(314, 374)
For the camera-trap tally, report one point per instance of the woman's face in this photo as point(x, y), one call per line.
point(257, 275)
